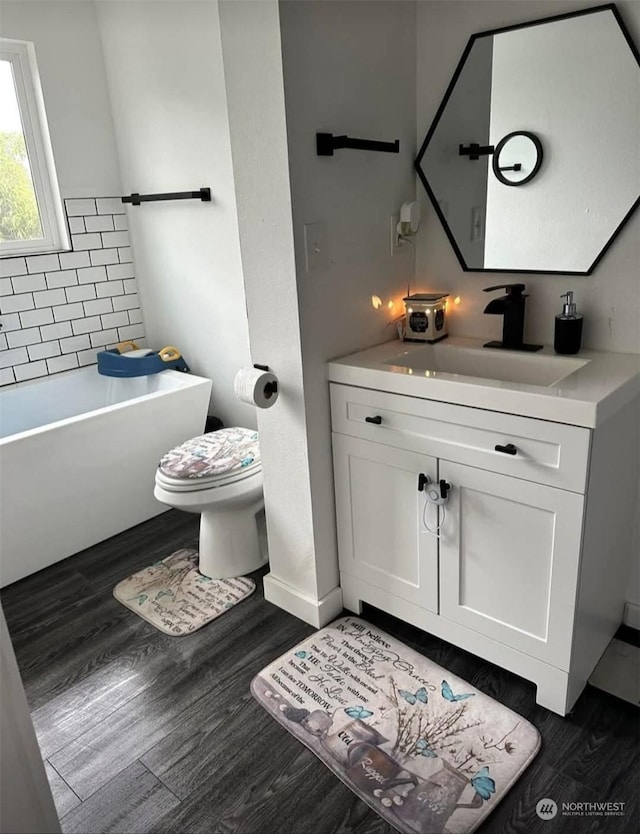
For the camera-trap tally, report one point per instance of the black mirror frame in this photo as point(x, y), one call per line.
point(495, 162)
point(606, 7)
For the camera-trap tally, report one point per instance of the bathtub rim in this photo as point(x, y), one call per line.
point(180, 380)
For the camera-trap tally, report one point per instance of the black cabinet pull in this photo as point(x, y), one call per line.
point(377, 419)
point(423, 480)
point(509, 449)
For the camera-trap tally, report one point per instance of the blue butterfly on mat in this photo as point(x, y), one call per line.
point(420, 695)
point(161, 594)
point(358, 712)
point(302, 655)
point(141, 598)
point(483, 784)
point(424, 750)
point(448, 695)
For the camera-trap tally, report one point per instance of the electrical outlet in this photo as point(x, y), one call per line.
point(394, 237)
point(315, 246)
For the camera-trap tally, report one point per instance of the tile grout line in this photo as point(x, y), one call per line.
point(155, 776)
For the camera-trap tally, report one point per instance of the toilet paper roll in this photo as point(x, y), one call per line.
point(257, 387)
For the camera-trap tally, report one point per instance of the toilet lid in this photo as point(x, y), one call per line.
point(219, 455)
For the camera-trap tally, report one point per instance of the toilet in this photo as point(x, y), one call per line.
point(218, 475)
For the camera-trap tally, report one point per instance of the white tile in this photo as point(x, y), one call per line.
point(115, 239)
point(62, 363)
point(119, 271)
point(44, 350)
point(6, 376)
point(48, 298)
point(98, 307)
point(84, 292)
point(130, 285)
point(29, 283)
point(16, 303)
point(74, 343)
point(76, 225)
point(43, 263)
point(63, 278)
point(110, 205)
point(13, 266)
point(68, 311)
point(19, 338)
point(34, 318)
point(56, 331)
point(10, 322)
point(15, 357)
point(89, 325)
point(104, 337)
point(87, 357)
point(88, 241)
point(78, 207)
point(3, 342)
point(104, 256)
point(109, 288)
point(6, 287)
point(30, 371)
point(135, 316)
point(126, 302)
point(115, 320)
point(100, 223)
point(131, 331)
point(124, 253)
point(74, 260)
point(92, 275)
point(120, 222)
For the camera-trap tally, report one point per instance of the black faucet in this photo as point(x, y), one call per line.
point(511, 308)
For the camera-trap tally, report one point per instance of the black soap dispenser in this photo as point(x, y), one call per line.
point(568, 331)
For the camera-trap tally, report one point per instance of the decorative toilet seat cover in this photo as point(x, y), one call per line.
point(220, 453)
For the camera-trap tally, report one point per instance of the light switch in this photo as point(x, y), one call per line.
point(315, 246)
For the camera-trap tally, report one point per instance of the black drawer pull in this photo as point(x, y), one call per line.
point(509, 449)
point(377, 419)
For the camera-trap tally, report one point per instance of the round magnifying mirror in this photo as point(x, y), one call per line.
point(517, 158)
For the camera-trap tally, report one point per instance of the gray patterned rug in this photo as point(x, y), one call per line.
point(420, 746)
point(175, 598)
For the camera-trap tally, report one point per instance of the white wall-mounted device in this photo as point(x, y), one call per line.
point(409, 222)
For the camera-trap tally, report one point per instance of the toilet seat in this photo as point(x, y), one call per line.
point(211, 461)
point(212, 482)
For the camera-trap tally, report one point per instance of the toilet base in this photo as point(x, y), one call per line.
point(229, 544)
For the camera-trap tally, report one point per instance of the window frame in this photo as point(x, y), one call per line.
point(22, 57)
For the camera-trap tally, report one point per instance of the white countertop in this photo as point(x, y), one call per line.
point(588, 396)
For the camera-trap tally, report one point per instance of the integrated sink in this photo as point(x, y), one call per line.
point(484, 363)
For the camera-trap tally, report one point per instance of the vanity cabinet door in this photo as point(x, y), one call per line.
point(381, 538)
point(509, 559)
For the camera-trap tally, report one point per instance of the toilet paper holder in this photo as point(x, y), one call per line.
point(271, 387)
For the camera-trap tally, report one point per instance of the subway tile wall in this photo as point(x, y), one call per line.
point(57, 311)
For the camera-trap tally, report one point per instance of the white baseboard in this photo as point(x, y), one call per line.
point(631, 616)
point(316, 612)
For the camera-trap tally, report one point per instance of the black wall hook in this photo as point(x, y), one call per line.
point(203, 194)
point(327, 143)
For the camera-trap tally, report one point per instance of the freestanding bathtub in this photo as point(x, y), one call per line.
point(78, 454)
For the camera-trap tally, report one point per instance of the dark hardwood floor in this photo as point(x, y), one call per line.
point(142, 732)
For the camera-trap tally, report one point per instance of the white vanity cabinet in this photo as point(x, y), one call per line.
point(511, 575)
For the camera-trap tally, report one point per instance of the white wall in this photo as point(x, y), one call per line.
point(74, 86)
point(166, 79)
point(610, 297)
point(542, 78)
point(26, 804)
point(349, 67)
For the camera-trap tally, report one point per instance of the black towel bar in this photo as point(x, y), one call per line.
point(203, 194)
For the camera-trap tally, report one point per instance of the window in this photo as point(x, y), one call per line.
point(31, 214)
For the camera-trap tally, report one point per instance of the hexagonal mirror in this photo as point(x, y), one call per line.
point(532, 160)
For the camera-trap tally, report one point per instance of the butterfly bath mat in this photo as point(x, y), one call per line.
point(175, 598)
point(423, 748)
